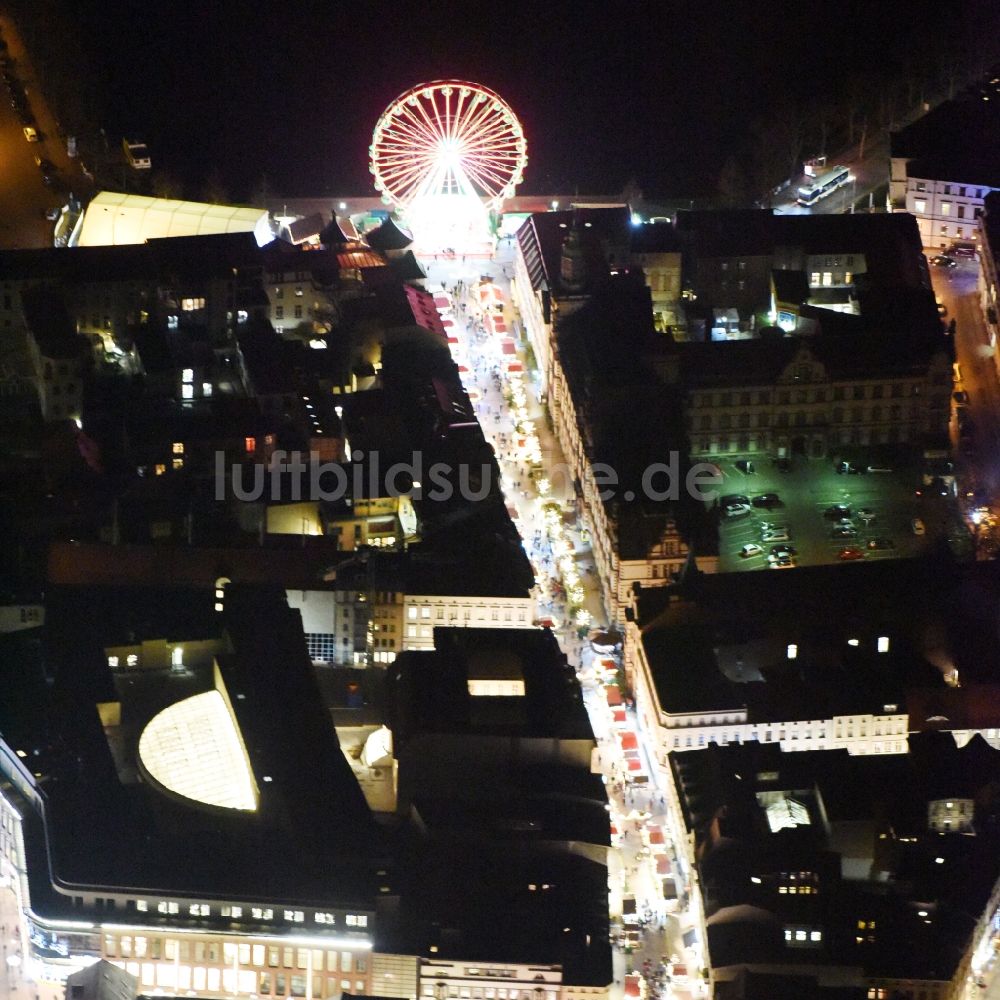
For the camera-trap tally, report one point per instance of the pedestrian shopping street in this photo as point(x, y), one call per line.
point(657, 952)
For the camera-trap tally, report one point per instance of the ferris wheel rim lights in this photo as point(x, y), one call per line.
point(447, 136)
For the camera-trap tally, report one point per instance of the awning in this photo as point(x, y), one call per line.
point(655, 835)
point(628, 741)
point(442, 302)
point(463, 369)
point(453, 340)
point(613, 694)
point(663, 866)
point(634, 765)
point(507, 346)
point(515, 366)
point(619, 715)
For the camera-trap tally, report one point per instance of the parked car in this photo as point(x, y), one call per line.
point(962, 250)
point(866, 515)
point(878, 544)
point(767, 500)
point(30, 133)
point(776, 536)
point(837, 512)
point(782, 550)
point(844, 531)
point(733, 498)
point(737, 510)
point(917, 526)
point(785, 562)
point(751, 549)
point(850, 553)
point(745, 466)
point(849, 469)
point(941, 260)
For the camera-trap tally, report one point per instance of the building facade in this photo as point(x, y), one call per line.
point(807, 407)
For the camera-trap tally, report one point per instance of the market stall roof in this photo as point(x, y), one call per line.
point(628, 741)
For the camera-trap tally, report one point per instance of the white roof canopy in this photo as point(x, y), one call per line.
point(113, 218)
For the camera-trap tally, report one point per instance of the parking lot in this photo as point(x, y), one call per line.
point(807, 491)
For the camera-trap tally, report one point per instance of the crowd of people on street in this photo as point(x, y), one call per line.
point(648, 944)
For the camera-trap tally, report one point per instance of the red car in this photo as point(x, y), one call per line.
point(850, 553)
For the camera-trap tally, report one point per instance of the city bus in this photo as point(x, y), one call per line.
point(824, 184)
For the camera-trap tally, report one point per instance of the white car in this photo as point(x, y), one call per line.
point(30, 133)
point(737, 510)
point(751, 549)
point(777, 536)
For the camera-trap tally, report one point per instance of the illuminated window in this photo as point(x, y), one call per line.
point(178, 447)
point(132, 659)
point(178, 463)
point(191, 305)
point(848, 277)
point(250, 445)
point(883, 644)
point(946, 208)
point(920, 205)
point(171, 322)
point(187, 392)
point(142, 906)
point(187, 375)
point(112, 661)
point(792, 651)
point(160, 469)
point(206, 388)
point(827, 278)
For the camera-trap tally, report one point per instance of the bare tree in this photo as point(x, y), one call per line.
point(165, 185)
point(731, 184)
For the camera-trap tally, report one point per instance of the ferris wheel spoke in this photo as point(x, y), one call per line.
point(404, 176)
point(488, 181)
point(411, 124)
point(480, 119)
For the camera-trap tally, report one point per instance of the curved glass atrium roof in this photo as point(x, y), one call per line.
point(194, 749)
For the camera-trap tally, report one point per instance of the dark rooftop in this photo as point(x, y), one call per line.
point(310, 839)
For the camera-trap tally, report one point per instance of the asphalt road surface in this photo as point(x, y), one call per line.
point(24, 199)
point(957, 289)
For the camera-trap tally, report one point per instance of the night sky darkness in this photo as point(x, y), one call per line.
point(662, 91)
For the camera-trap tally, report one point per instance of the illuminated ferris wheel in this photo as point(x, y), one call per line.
point(445, 138)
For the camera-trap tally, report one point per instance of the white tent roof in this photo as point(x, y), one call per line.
point(113, 218)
